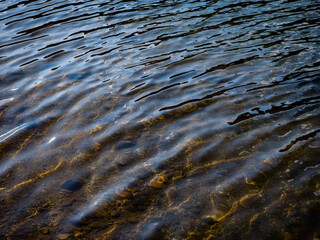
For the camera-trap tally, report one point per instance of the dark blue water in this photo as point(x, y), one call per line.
point(159, 119)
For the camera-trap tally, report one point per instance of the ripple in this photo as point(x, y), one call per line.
point(159, 120)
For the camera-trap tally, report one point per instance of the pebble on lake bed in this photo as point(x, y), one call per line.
point(124, 193)
point(63, 236)
point(317, 193)
point(72, 185)
point(157, 182)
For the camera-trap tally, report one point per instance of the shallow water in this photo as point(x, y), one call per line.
point(159, 119)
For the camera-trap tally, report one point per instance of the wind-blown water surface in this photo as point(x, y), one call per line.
point(159, 119)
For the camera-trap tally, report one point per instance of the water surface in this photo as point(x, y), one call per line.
point(159, 119)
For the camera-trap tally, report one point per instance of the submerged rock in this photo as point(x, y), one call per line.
point(72, 185)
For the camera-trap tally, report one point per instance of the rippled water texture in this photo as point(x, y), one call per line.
point(159, 119)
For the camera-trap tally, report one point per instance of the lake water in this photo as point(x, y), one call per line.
point(160, 119)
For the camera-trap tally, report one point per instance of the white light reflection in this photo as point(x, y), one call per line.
point(3, 137)
point(52, 139)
